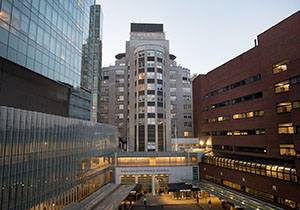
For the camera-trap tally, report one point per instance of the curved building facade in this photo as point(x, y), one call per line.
point(149, 113)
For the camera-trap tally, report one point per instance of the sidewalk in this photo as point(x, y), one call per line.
point(157, 200)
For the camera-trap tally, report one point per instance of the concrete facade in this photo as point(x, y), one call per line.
point(181, 101)
point(248, 109)
point(114, 97)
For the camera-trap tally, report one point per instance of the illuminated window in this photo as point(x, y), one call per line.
point(285, 128)
point(120, 98)
point(284, 107)
point(142, 76)
point(104, 98)
point(141, 87)
point(151, 109)
point(283, 86)
point(251, 114)
point(186, 133)
point(150, 97)
point(119, 116)
point(287, 149)
point(280, 67)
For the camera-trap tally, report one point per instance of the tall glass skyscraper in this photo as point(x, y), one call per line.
point(92, 60)
point(45, 36)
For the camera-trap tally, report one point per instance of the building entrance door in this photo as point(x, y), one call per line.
point(161, 181)
point(146, 181)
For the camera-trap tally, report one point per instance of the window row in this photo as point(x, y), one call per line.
point(287, 106)
point(216, 119)
point(239, 132)
point(233, 101)
point(232, 86)
point(275, 171)
point(284, 86)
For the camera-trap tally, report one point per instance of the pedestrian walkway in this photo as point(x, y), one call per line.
point(165, 201)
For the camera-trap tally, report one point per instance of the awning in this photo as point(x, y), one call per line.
point(181, 187)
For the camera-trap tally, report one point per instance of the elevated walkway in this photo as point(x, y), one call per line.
point(108, 197)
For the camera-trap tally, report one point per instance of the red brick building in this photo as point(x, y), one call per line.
point(248, 110)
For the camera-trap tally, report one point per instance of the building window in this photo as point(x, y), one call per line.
point(187, 124)
point(218, 105)
point(186, 90)
point(295, 80)
point(287, 149)
point(285, 128)
point(296, 104)
point(247, 98)
point(297, 129)
point(104, 89)
point(283, 86)
point(251, 114)
point(150, 64)
point(105, 75)
point(284, 107)
point(150, 53)
point(187, 115)
point(120, 89)
point(141, 87)
point(186, 133)
point(187, 106)
point(160, 54)
point(120, 81)
point(104, 98)
point(173, 98)
point(119, 72)
point(119, 116)
point(103, 116)
point(142, 76)
point(280, 67)
point(120, 98)
point(151, 109)
point(119, 107)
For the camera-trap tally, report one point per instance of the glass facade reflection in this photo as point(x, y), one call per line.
point(47, 161)
point(45, 36)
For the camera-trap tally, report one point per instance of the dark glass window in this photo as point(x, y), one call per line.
point(159, 70)
point(151, 115)
point(247, 98)
point(151, 80)
point(141, 116)
point(151, 103)
point(150, 92)
point(150, 70)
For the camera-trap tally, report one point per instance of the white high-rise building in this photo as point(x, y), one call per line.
point(138, 101)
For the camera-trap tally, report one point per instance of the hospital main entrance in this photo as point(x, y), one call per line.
point(151, 183)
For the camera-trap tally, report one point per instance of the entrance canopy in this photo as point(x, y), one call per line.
point(181, 187)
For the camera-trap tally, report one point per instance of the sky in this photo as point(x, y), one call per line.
point(203, 34)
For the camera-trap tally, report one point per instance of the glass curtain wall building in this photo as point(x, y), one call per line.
point(47, 161)
point(95, 55)
point(47, 37)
